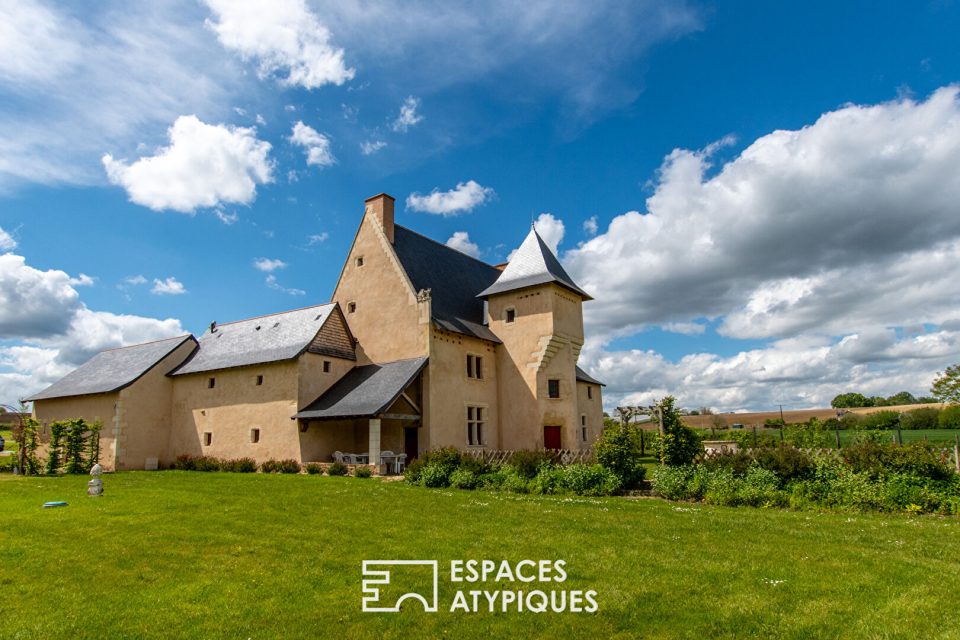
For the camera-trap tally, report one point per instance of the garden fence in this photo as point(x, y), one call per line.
point(559, 456)
point(949, 455)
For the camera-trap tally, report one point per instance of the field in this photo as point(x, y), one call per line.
point(791, 417)
point(190, 555)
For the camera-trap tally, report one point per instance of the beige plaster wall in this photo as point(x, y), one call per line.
point(99, 407)
point(143, 422)
point(312, 382)
point(592, 408)
point(322, 438)
point(451, 391)
point(387, 321)
point(233, 407)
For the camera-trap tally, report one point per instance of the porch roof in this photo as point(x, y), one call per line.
point(365, 392)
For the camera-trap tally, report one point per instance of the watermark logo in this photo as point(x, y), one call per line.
point(384, 594)
point(481, 586)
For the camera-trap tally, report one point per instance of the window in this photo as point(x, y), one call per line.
point(255, 435)
point(583, 433)
point(474, 366)
point(589, 392)
point(553, 388)
point(259, 380)
point(475, 418)
point(211, 383)
point(326, 366)
point(351, 307)
point(510, 315)
point(583, 421)
point(207, 438)
point(359, 261)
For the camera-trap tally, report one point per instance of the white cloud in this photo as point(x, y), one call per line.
point(408, 115)
point(837, 243)
point(168, 286)
point(82, 280)
point(73, 84)
point(685, 328)
point(135, 280)
point(284, 36)
point(268, 265)
point(204, 165)
point(551, 230)
point(460, 240)
point(370, 147)
point(462, 198)
point(272, 283)
point(316, 144)
point(590, 226)
point(7, 242)
point(317, 238)
point(47, 331)
point(225, 217)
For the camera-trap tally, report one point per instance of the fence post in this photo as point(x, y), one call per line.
point(781, 433)
point(836, 432)
point(899, 435)
point(956, 451)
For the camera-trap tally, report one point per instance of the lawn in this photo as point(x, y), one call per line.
point(192, 555)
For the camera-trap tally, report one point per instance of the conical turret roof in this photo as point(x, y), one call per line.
point(533, 264)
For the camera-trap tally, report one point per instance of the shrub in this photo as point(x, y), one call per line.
point(760, 488)
point(527, 463)
point(950, 417)
point(314, 469)
point(880, 421)
point(923, 418)
point(464, 479)
point(515, 482)
point(362, 472)
point(494, 479)
point(678, 444)
point(737, 463)
point(337, 469)
point(187, 462)
point(671, 482)
point(878, 460)
point(411, 473)
point(549, 479)
point(280, 466)
point(589, 480)
point(240, 465)
point(435, 475)
point(789, 463)
point(619, 451)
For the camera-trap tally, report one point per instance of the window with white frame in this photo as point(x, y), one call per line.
point(476, 417)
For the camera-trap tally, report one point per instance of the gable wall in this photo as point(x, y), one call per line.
point(387, 322)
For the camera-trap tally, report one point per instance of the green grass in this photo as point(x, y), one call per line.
point(191, 555)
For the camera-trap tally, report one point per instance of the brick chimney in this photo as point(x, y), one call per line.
point(380, 207)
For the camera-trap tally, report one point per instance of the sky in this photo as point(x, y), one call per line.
point(763, 198)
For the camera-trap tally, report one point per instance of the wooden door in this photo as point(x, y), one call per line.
point(551, 437)
point(411, 442)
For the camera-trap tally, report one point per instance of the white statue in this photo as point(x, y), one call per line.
point(95, 486)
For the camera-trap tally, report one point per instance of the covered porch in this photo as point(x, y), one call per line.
point(374, 411)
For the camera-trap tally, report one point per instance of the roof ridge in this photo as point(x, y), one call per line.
point(276, 313)
point(143, 344)
point(445, 246)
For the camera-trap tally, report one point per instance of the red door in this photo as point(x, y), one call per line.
point(551, 437)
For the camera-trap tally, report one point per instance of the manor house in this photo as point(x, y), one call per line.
point(421, 347)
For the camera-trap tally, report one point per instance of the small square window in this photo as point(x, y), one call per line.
point(359, 261)
point(589, 393)
point(259, 380)
point(255, 435)
point(553, 388)
point(326, 366)
point(511, 315)
point(474, 366)
point(211, 383)
point(207, 438)
point(351, 307)
point(583, 421)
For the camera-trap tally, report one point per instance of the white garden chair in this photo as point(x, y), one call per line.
point(338, 456)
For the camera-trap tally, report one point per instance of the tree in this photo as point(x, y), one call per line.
point(678, 443)
point(849, 401)
point(904, 397)
point(946, 386)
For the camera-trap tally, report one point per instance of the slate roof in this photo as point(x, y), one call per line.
point(270, 338)
point(112, 370)
point(533, 264)
point(454, 278)
point(583, 376)
point(364, 391)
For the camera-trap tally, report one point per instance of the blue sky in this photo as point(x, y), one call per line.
point(792, 169)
